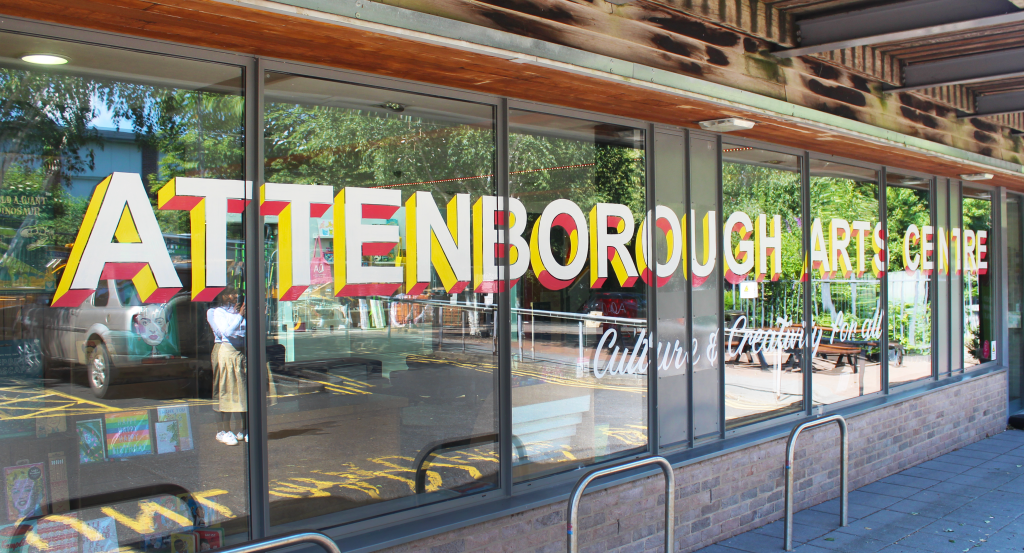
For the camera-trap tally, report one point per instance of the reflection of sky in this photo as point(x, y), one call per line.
point(104, 119)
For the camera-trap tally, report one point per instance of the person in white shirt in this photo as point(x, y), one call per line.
point(227, 321)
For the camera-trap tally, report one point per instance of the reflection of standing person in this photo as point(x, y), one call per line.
point(217, 339)
point(229, 388)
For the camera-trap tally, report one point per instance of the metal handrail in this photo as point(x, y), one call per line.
point(421, 464)
point(577, 493)
point(285, 540)
point(844, 454)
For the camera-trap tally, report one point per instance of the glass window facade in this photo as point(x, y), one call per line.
point(763, 291)
point(978, 298)
point(379, 335)
point(448, 298)
point(847, 289)
point(579, 301)
point(122, 373)
point(911, 252)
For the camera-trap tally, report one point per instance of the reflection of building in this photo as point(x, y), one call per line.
point(114, 150)
point(708, 237)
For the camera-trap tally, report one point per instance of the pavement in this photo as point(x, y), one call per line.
point(971, 499)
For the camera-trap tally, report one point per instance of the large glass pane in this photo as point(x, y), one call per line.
point(954, 266)
point(911, 244)
point(1015, 290)
point(702, 231)
point(673, 357)
point(119, 245)
point(762, 252)
point(381, 334)
point(979, 330)
point(579, 320)
point(848, 249)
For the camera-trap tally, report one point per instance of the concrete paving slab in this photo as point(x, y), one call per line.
point(936, 543)
point(841, 542)
point(970, 500)
point(876, 500)
point(910, 481)
point(894, 490)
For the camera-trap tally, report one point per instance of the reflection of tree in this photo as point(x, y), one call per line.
point(47, 137)
point(904, 207)
point(977, 215)
point(909, 321)
point(755, 190)
point(347, 147)
point(850, 200)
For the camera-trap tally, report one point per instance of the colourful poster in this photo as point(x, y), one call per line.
point(128, 434)
point(91, 447)
point(51, 424)
point(210, 538)
point(107, 534)
point(181, 416)
point(184, 543)
point(55, 536)
point(171, 517)
point(167, 437)
point(202, 515)
point(26, 491)
point(60, 499)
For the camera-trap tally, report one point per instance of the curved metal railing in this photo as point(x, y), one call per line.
point(581, 486)
point(843, 482)
point(285, 540)
point(422, 463)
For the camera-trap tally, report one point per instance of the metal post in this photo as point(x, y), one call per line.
point(519, 334)
point(843, 482)
point(463, 331)
point(581, 486)
point(533, 333)
point(255, 292)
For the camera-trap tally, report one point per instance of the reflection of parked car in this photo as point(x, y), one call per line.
point(115, 336)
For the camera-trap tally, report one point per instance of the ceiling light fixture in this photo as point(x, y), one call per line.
point(45, 59)
point(977, 176)
point(727, 125)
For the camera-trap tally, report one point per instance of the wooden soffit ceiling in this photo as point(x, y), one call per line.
point(250, 30)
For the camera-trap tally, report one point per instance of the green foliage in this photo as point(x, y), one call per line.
point(904, 207)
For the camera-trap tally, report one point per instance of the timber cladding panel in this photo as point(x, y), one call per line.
point(657, 35)
point(668, 36)
point(729, 494)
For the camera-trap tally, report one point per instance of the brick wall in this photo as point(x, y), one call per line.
point(725, 495)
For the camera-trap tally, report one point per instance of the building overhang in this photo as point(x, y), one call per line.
point(372, 38)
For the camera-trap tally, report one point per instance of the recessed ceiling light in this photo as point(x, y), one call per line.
point(727, 125)
point(45, 59)
point(977, 176)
